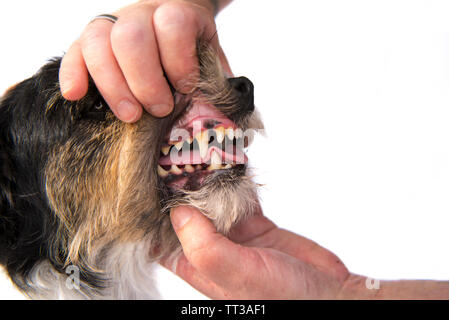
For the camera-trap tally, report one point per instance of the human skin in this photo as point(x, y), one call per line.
point(127, 59)
point(262, 261)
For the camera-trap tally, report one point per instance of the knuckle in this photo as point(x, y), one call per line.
point(176, 13)
point(93, 36)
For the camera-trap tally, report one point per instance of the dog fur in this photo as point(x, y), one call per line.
point(79, 189)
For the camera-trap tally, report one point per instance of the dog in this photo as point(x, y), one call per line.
point(85, 198)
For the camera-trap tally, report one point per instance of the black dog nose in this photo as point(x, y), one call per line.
point(245, 91)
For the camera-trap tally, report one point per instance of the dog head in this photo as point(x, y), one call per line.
point(75, 181)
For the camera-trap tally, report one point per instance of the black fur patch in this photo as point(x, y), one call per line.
point(29, 128)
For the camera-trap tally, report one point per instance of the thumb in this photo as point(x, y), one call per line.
point(210, 253)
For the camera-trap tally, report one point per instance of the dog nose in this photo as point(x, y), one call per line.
point(245, 91)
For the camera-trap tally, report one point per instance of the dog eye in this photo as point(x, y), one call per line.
point(96, 110)
point(99, 106)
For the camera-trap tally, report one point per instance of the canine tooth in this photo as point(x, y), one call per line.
point(188, 168)
point(227, 166)
point(166, 150)
point(161, 172)
point(215, 158)
point(220, 133)
point(203, 142)
point(174, 169)
point(230, 133)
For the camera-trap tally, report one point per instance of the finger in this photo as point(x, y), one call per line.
point(136, 50)
point(211, 254)
point(178, 26)
point(106, 73)
point(241, 272)
point(73, 75)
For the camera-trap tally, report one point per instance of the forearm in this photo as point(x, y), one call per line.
point(358, 287)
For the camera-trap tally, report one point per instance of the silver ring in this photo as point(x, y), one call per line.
point(108, 17)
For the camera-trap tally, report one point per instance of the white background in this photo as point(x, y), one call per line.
point(355, 98)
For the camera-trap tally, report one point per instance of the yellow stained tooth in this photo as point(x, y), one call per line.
point(174, 169)
point(227, 166)
point(166, 150)
point(188, 168)
point(214, 167)
point(161, 172)
point(203, 144)
point(230, 133)
point(179, 145)
point(198, 167)
point(220, 132)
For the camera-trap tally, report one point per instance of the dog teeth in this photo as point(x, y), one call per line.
point(166, 150)
point(161, 172)
point(230, 133)
point(188, 168)
point(203, 142)
point(220, 133)
point(215, 158)
point(238, 133)
point(175, 169)
point(179, 145)
point(200, 149)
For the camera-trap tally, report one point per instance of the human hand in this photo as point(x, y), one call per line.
point(127, 59)
point(257, 261)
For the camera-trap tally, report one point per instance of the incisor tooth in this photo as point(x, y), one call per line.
point(220, 132)
point(188, 168)
point(230, 133)
point(165, 150)
point(174, 169)
point(161, 172)
point(238, 133)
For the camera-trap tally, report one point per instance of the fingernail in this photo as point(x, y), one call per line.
point(160, 110)
point(127, 111)
point(66, 86)
point(180, 216)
